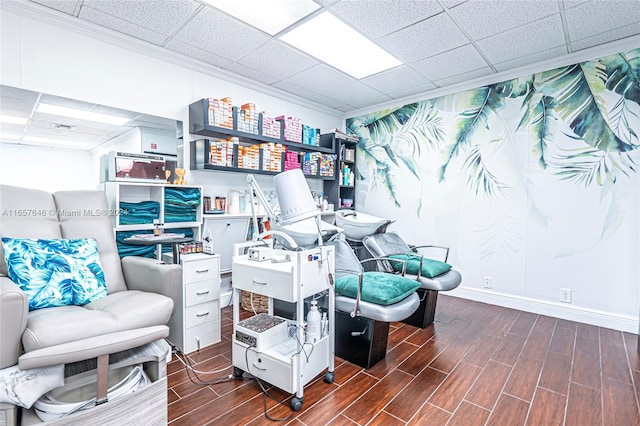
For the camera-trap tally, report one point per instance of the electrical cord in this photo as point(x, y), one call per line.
point(192, 373)
point(265, 392)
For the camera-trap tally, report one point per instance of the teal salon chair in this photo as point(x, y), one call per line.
point(433, 275)
point(366, 303)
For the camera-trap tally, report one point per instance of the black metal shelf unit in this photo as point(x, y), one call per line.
point(339, 191)
point(199, 149)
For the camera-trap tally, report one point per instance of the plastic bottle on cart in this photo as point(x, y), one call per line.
point(324, 325)
point(313, 323)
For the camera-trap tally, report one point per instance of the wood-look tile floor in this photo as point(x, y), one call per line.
point(477, 364)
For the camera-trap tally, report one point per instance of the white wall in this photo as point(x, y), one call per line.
point(46, 168)
point(512, 208)
point(48, 55)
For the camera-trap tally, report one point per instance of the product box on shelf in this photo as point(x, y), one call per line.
point(292, 160)
point(272, 154)
point(291, 128)
point(269, 126)
point(220, 112)
point(247, 118)
point(221, 152)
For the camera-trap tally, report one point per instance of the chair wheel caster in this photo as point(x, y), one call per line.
point(296, 403)
point(328, 377)
point(237, 373)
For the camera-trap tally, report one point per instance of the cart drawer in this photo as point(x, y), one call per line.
point(263, 366)
point(271, 283)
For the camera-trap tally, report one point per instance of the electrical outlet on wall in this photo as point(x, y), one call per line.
point(565, 295)
point(487, 282)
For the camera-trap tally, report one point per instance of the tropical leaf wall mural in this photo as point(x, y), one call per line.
point(489, 165)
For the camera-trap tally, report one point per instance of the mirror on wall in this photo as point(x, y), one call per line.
point(39, 119)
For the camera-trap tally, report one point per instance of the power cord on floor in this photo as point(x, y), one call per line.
point(192, 373)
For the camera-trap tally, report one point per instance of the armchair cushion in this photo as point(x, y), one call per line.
point(55, 272)
point(430, 268)
point(377, 287)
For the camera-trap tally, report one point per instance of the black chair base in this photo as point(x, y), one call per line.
point(425, 314)
point(361, 341)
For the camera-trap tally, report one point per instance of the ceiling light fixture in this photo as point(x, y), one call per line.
point(10, 119)
point(41, 140)
point(82, 115)
point(270, 16)
point(332, 41)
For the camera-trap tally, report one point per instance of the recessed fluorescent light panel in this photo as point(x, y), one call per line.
point(82, 115)
point(270, 16)
point(334, 42)
point(9, 119)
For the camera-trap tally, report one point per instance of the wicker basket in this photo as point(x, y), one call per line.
point(260, 302)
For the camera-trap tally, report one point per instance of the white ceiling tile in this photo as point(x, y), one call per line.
point(598, 17)
point(395, 80)
point(120, 25)
point(371, 101)
point(568, 4)
point(526, 40)
point(482, 18)
point(463, 77)
point(161, 16)
point(321, 78)
point(375, 19)
point(217, 33)
point(294, 88)
point(456, 61)
point(427, 38)
point(66, 6)
point(606, 37)
point(413, 91)
point(354, 92)
point(251, 73)
point(531, 59)
point(194, 52)
point(278, 59)
point(452, 3)
point(328, 101)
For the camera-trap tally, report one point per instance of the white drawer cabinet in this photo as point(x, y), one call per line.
point(195, 322)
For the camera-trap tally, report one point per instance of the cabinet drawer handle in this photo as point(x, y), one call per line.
point(258, 368)
point(200, 293)
point(200, 271)
point(204, 314)
point(260, 282)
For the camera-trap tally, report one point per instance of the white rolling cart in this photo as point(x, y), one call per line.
point(271, 348)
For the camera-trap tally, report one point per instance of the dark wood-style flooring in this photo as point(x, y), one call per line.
point(477, 364)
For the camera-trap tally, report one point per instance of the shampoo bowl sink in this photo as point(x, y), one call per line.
point(305, 233)
point(358, 225)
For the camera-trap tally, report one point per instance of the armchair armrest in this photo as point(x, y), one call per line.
point(14, 311)
point(145, 274)
point(445, 249)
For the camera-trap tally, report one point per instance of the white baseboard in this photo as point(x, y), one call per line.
point(558, 310)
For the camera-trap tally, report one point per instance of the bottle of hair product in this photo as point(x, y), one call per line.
point(313, 323)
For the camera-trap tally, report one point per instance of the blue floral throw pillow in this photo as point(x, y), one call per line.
point(55, 272)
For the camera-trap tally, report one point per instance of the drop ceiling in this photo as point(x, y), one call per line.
point(440, 42)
